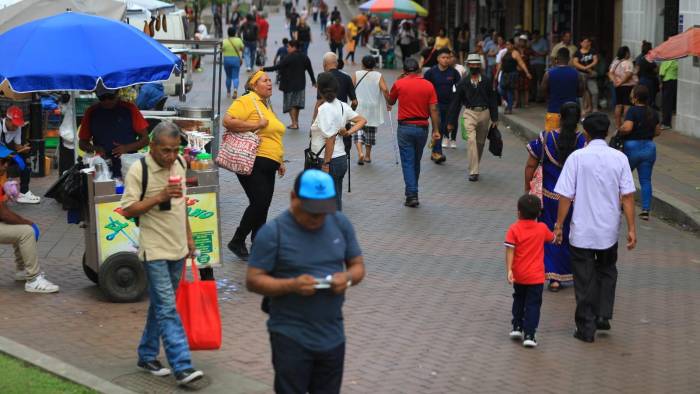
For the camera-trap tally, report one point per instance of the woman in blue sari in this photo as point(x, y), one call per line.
point(552, 149)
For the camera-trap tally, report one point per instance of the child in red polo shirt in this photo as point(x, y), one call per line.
point(524, 243)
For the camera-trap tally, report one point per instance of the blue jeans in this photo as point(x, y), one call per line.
point(305, 47)
point(642, 156)
point(527, 301)
point(232, 67)
point(163, 321)
point(411, 140)
point(300, 370)
point(251, 48)
point(437, 145)
point(337, 169)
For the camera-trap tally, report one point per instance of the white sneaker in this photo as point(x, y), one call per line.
point(28, 198)
point(453, 144)
point(445, 143)
point(40, 285)
point(516, 334)
point(530, 341)
point(21, 276)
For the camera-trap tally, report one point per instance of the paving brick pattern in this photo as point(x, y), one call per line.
point(432, 315)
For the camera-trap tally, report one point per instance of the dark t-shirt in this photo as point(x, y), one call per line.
point(346, 90)
point(293, 18)
point(249, 31)
point(284, 249)
point(304, 33)
point(587, 58)
point(444, 82)
point(645, 120)
point(646, 69)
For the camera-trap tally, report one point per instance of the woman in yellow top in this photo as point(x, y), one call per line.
point(252, 112)
point(353, 35)
point(442, 41)
point(232, 48)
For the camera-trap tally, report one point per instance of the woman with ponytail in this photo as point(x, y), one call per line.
point(638, 131)
point(550, 151)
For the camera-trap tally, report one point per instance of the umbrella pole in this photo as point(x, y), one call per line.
point(75, 127)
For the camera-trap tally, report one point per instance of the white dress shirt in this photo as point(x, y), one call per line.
point(596, 177)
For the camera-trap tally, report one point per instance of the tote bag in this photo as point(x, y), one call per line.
point(198, 306)
point(238, 150)
point(536, 181)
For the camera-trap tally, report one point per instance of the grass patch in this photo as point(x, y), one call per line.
point(18, 377)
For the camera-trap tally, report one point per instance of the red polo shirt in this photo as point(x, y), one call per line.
point(528, 237)
point(263, 28)
point(415, 96)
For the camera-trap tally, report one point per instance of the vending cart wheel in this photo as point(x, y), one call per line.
point(122, 277)
point(89, 272)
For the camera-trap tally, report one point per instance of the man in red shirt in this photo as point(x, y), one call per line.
point(336, 37)
point(524, 243)
point(263, 30)
point(112, 127)
point(417, 103)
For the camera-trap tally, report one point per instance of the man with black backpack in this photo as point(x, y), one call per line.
point(165, 241)
point(250, 34)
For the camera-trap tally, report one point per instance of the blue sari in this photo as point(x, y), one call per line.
point(556, 257)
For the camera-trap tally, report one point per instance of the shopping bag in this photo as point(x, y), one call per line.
point(495, 141)
point(237, 152)
point(462, 129)
point(536, 183)
point(198, 306)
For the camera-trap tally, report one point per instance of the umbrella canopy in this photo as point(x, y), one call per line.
point(75, 51)
point(28, 10)
point(398, 9)
point(678, 46)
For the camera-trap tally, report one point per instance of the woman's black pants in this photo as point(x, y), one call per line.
point(259, 187)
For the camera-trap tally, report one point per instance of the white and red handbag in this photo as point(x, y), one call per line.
point(238, 150)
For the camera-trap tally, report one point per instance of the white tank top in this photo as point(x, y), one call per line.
point(370, 100)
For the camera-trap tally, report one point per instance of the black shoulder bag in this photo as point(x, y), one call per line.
point(314, 159)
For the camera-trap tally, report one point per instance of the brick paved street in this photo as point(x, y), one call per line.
point(432, 315)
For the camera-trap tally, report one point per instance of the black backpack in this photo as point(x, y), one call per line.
point(144, 180)
point(250, 32)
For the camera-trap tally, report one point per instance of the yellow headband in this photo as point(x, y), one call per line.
point(258, 74)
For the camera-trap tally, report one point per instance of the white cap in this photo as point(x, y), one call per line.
point(523, 37)
point(474, 58)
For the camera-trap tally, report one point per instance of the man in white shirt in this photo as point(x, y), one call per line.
point(11, 136)
point(599, 178)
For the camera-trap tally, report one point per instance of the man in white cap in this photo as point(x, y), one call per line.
point(477, 96)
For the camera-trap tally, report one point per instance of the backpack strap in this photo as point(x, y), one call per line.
point(144, 177)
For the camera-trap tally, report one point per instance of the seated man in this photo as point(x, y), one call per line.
point(22, 234)
point(149, 95)
point(111, 128)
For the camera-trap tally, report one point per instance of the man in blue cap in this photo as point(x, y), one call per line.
point(22, 234)
point(303, 261)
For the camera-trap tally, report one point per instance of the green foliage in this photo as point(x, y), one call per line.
point(17, 377)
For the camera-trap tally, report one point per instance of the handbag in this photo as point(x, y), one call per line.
point(198, 307)
point(537, 177)
point(238, 150)
point(616, 141)
point(495, 141)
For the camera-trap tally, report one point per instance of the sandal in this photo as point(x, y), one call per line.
point(290, 127)
point(368, 161)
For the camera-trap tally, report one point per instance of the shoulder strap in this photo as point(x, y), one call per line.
point(144, 177)
point(234, 47)
point(342, 114)
point(363, 77)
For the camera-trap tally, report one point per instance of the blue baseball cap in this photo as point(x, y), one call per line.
point(6, 152)
point(316, 191)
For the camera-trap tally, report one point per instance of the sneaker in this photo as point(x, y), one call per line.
point(188, 376)
point(154, 367)
point(40, 285)
point(664, 127)
point(602, 324)
point(530, 340)
point(453, 144)
point(517, 333)
point(21, 276)
point(239, 249)
point(412, 202)
point(28, 198)
point(644, 215)
point(445, 143)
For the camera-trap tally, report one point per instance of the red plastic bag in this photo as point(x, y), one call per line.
point(198, 306)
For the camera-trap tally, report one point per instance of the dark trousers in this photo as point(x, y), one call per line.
point(437, 145)
point(527, 301)
point(337, 48)
point(299, 370)
point(595, 277)
point(337, 169)
point(259, 187)
point(668, 101)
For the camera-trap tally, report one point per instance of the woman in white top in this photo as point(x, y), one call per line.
point(369, 88)
point(330, 123)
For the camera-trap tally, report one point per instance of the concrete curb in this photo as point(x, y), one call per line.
point(59, 368)
point(665, 206)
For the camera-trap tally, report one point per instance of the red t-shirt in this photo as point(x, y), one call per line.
point(415, 96)
point(138, 122)
point(263, 28)
point(336, 32)
point(528, 237)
